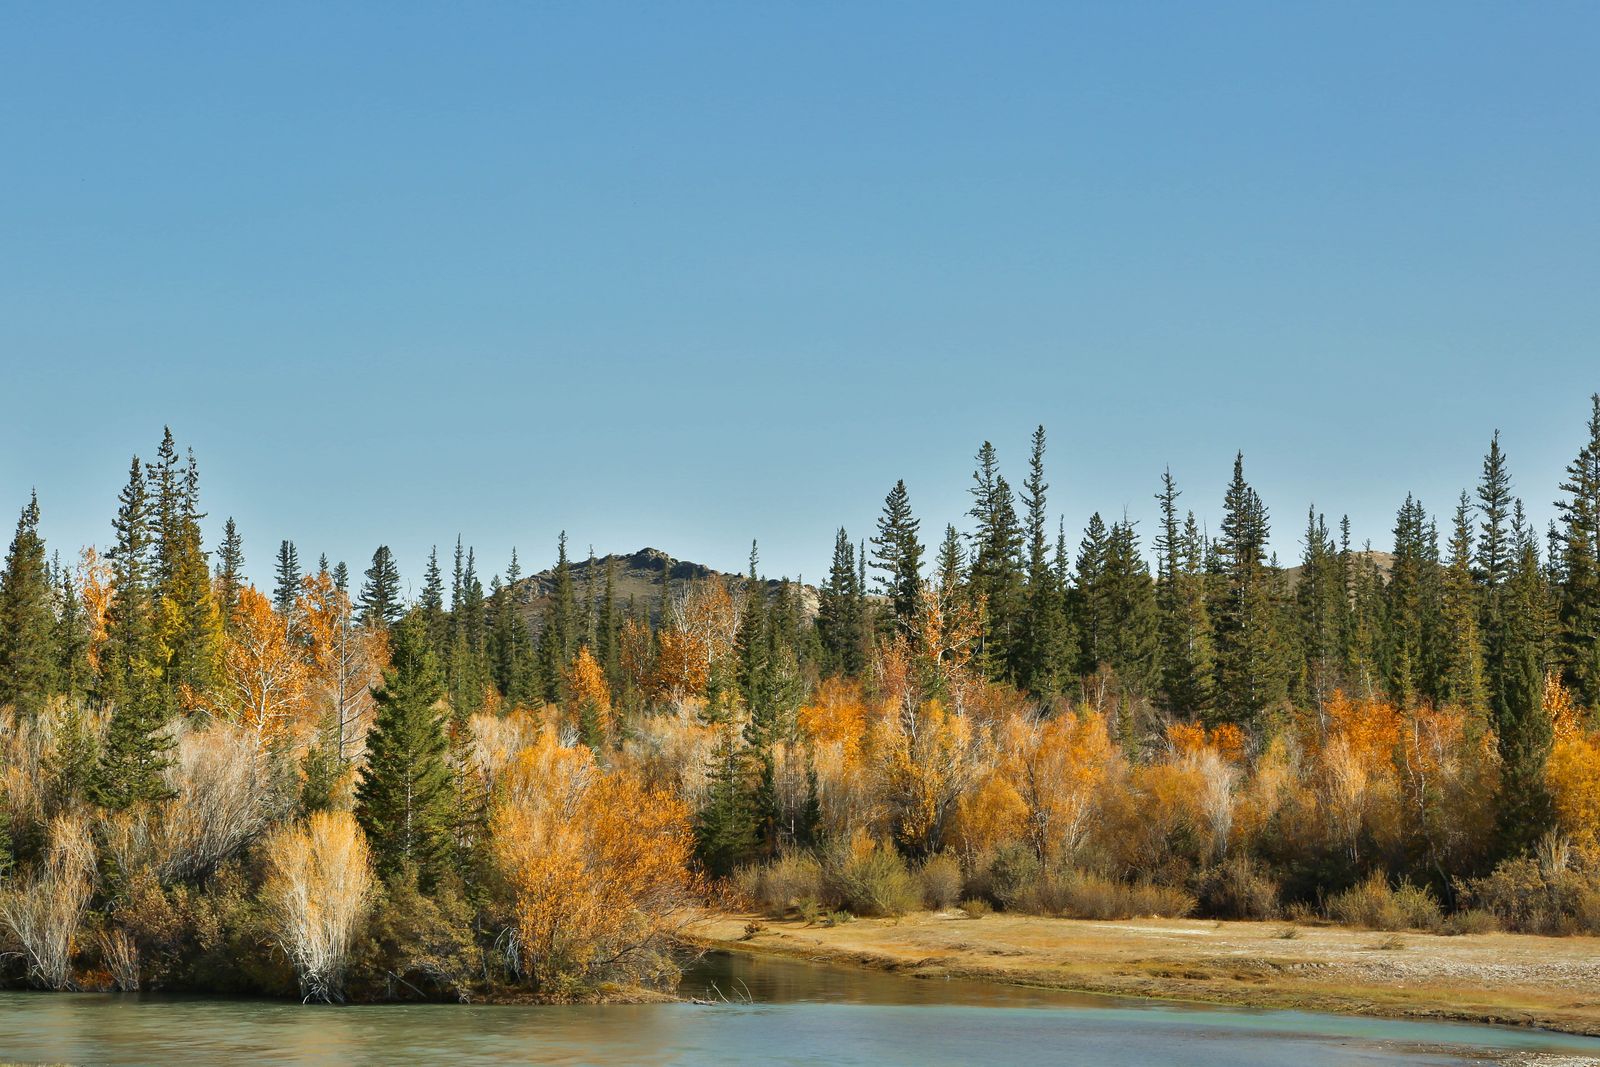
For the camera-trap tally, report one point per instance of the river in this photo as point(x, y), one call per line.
point(778, 1012)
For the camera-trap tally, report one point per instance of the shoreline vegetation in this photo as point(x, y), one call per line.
point(521, 789)
point(1499, 979)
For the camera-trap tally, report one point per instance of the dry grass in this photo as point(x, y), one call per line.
point(1483, 977)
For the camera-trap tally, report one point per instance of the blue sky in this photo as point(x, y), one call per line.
point(688, 274)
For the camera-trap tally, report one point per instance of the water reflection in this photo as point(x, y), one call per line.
point(799, 1013)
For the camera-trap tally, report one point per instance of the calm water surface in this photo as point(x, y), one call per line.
point(783, 1012)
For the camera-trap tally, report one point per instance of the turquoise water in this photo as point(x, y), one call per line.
point(779, 1012)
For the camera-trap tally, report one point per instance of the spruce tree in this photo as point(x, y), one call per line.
point(1045, 662)
point(995, 573)
point(897, 554)
point(566, 604)
point(27, 619)
point(1133, 636)
point(1494, 502)
point(71, 644)
point(1523, 730)
point(1091, 611)
point(726, 825)
point(230, 571)
point(608, 636)
point(1461, 680)
point(1319, 611)
point(512, 645)
point(380, 594)
point(431, 606)
point(1579, 649)
point(1192, 684)
point(1409, 607)
point(839, 608)
point(404, 796)
point(1251, 675)
point(136, 745)
point(191, 625)
point(286, 578)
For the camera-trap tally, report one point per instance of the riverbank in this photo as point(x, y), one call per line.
point(1510, 979)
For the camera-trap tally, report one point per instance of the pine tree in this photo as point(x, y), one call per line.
point(1494, 502)
point(191, 625)
point(431, 606)
point(286, 584)
point(136, 745)
point(897, 553)
point(1184, 625)
point(71, 642)
point(1407, 604)
point(1319, 611)
point(1135, 645)
point(565, 603)
point(558, 638)
point(1523, 730)
point(608, 636)
point(404, 796)
point(27, 620)
point(995, 574)
point(839, 610)
point(380, 594)
point(727, 822)
point(230, 571)
point(1580, 557)
point(1088, 599)
point(1250, 670)
point(1461, 672)
point(513, 646)
point(1045, 663)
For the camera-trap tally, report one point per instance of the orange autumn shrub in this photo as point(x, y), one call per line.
point(597, 866)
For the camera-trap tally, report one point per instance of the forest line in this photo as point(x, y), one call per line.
point(335, 791)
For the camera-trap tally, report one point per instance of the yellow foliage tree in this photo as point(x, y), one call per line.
point(598, 867)
point(1057, 766)
point(264, 673)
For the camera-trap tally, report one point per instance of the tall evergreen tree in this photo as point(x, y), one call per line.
point(404, 796)
point(1091, 611)
point(380, 594)
point(840, 621)
point(1580, 557)
point(286, 578)
point(230, 571)
point(71, 643)
point(1128, 599)
point(1184, 625)
point(897, 554)
point(1319, 610)
point(513, 645)
point(1461, 674)
point(1047, 642)
point(431, 606)
point(136, 745)
point(1410, 608)
point(726, 826)
point(1494, 505)
point(27, 618)
point(1523, 730)
point(1250, 663)
point(608, 637)
point(190, 624)
point(995, 573)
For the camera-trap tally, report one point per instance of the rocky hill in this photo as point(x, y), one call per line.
point(637, 578)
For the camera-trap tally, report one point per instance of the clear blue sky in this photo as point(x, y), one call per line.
point(686, 274)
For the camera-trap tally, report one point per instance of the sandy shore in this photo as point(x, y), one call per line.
point(1515, 979)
